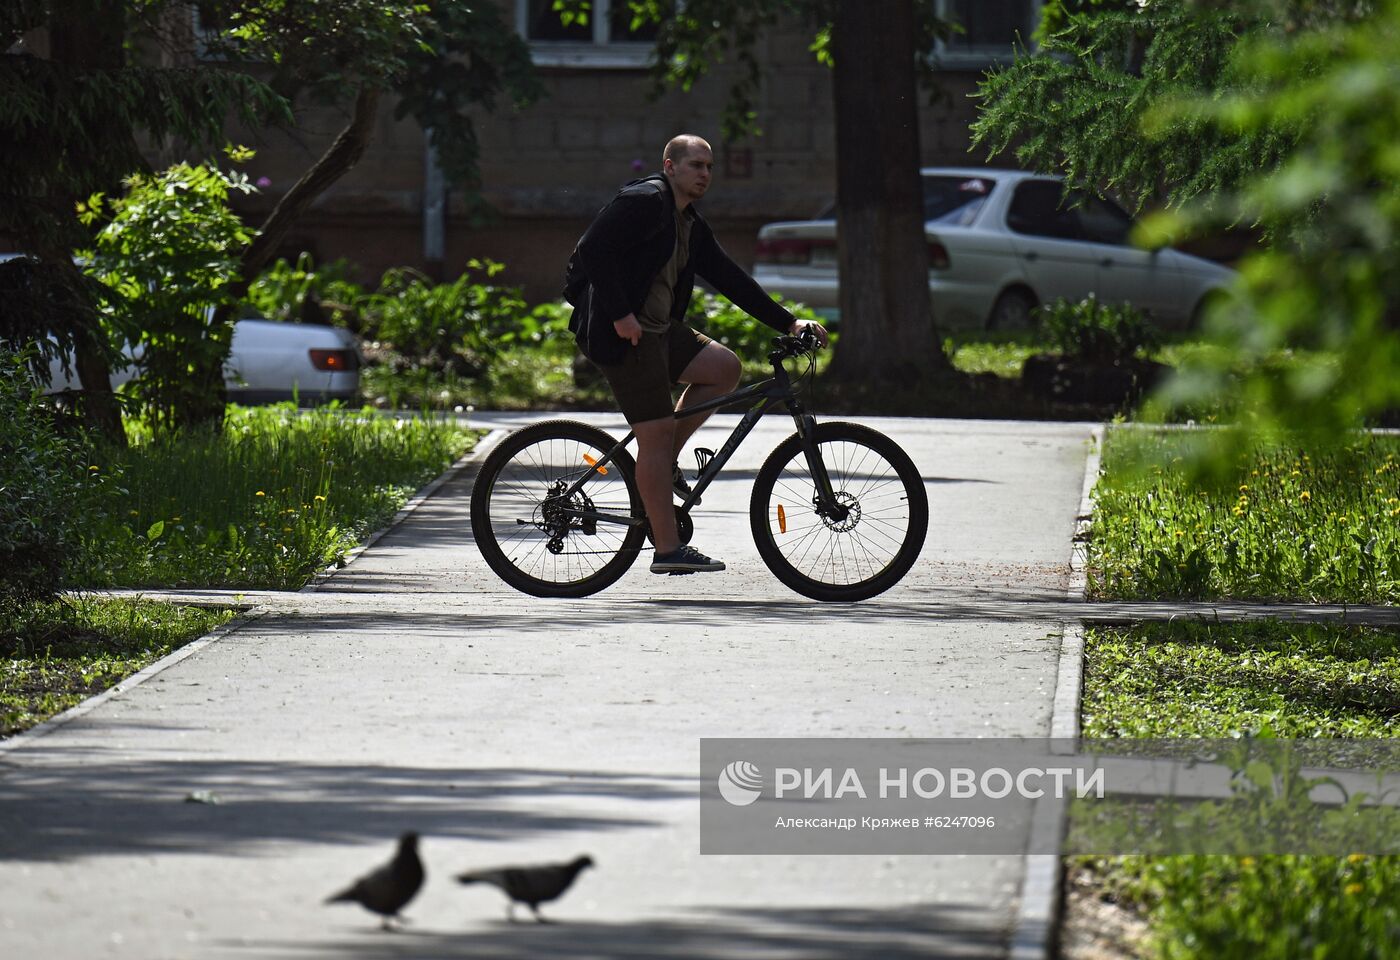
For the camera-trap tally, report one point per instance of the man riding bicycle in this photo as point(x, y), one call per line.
point(631, 278)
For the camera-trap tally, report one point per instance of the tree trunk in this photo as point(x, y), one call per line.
point(88, 35)
point(887, 326)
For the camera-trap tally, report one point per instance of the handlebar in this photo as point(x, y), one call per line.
point(787, 345)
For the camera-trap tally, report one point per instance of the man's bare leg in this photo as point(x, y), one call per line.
point(713, 373)
point(655, 457)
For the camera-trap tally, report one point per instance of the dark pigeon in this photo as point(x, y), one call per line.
point(531, 886)
point(387, 890)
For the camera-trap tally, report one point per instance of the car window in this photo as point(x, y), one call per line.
point(1039, 209)
point(949, 200)
point(1103, 221)
point(955, 200)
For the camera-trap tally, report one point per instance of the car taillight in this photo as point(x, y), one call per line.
point(792, 250)
point(938, 257)
point(335, 360)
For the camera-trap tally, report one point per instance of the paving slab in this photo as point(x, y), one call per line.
point(413, 690)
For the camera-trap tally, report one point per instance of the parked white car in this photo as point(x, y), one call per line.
point(1002, 242)
point(268, 362)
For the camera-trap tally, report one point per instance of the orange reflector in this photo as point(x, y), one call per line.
point(594, 463)
point(782, 519)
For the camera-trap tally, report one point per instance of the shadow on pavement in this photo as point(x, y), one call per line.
point(77, 804)
point(810, 933)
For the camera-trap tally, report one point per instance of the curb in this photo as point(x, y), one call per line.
point(24, 737)
point(1038, 912)
point(467, 459)
point(247, 614)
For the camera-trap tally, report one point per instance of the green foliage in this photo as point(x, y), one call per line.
point(1096, 332)
point(1335, 284)
point(307, 293)
point(169, 250)
point(1081, 103)
point(40, 476)
point(273, 499)
point(716, 317)
point(1277, 112)
point(1277, 908)
point(1055, 15)
point(78, 121)
point(1312, 525)
point(467, 318)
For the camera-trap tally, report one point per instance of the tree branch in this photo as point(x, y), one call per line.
point(347, 150)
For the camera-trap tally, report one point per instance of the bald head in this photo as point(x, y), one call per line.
point(681, 147)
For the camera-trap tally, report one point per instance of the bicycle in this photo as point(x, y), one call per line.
point(838, 510)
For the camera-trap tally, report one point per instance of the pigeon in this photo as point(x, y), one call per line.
point(531, 886)
point(387, 890)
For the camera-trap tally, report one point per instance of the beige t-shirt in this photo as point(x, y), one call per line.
point(656, 312)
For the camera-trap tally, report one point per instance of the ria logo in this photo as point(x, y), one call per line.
point(740, 783)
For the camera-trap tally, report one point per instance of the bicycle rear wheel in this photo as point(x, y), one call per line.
point(530, 533)
point(866, 548)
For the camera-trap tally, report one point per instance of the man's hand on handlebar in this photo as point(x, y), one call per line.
point(816, 329)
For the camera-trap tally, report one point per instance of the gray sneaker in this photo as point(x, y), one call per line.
point(682, 560)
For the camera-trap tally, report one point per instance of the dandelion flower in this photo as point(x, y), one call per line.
point(1304, 497)
point(259, 494)
point(1352, 889)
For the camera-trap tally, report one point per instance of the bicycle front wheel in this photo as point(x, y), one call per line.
point(541, 539)
point(863, 548)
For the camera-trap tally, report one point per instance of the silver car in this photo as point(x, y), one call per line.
point(268, 361)
point(1002, 242)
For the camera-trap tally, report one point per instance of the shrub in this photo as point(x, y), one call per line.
point(307, 293)
point(467, 318)
point(40, 475)
point(1094, 332)
point(169, 252)
point(720, 319)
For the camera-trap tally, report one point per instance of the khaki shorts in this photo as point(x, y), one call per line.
point(642, 381)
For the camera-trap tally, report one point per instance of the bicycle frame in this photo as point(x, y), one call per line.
point(767, 394)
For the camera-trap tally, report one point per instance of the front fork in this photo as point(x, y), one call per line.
point(825, 497)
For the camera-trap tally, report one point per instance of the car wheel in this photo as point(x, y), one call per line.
point(1014, 310)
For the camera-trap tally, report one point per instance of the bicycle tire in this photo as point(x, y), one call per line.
point(866, 552)
point(511, 509)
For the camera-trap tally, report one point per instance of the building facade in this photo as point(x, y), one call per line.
point(547, 169)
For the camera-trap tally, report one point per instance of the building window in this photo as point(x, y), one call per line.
point(993, 31)
point(606, 40)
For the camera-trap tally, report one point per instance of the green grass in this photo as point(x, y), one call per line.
point(276, 497)
point(1216, 680)
point(54, 655)
point(1296, 525)
point(1319, 526)
point(1201, 679)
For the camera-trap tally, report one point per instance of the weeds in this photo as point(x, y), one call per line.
point(1320, 526)
point(279, 495)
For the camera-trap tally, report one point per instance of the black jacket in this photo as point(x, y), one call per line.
point(623, 250)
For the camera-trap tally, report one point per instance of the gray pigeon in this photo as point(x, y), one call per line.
point(531, 886)
point(387, 890)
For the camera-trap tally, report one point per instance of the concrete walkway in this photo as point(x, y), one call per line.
point(413, 690)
